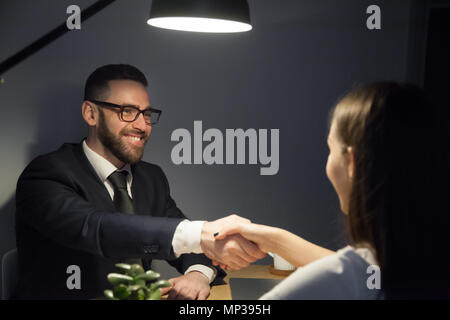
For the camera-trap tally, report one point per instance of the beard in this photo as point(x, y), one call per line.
point(117, 146)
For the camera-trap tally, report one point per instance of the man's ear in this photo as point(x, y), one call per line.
point(351, 162)
point(89, 113)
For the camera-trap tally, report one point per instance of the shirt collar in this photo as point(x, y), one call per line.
point(103, 167)
point(367, 255)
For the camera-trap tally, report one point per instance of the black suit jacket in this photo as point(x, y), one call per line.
point(65, 216)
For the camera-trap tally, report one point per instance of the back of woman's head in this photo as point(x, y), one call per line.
point(399, 200)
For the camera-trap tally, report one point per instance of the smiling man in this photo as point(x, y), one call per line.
point(96, 203)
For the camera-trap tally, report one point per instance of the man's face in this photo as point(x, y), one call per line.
point(124, 140)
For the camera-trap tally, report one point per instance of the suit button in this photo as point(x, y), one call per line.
point(151, 249)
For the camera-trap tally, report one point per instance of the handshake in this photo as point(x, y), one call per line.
point(234, 242)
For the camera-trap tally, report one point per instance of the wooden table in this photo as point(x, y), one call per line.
point(223, 292)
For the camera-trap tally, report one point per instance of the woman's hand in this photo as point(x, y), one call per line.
point(287, 245)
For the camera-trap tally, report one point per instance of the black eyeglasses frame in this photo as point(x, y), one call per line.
point(122, 108)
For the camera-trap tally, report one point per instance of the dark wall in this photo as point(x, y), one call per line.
point(285, 74)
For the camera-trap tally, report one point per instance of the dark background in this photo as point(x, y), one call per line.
point(285, 74)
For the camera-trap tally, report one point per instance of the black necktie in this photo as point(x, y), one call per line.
point(121, 199)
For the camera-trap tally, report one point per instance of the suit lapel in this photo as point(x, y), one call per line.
point(101, 191)
point(142, 190)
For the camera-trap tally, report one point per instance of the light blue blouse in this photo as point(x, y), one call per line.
point(348, 274)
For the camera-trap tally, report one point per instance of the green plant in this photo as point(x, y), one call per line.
point(133, 283)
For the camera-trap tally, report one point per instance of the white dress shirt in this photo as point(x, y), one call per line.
point(186, 238)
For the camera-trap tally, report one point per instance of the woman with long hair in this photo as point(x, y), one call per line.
point(389, 163)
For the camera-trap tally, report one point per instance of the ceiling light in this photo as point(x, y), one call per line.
point(217, 16)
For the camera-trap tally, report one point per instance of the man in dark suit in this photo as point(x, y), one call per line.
point(90, 205)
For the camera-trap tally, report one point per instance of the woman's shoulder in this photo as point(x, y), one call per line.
point(342, 275)
point(355, 257)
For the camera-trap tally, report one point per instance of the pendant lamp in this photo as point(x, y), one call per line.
point(216, 16)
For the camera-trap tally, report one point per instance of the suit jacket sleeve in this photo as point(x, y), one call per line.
point(48, 199)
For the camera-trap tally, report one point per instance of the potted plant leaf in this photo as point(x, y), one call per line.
point(133, 283)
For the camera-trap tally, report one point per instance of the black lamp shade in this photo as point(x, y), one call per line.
point(235, 12)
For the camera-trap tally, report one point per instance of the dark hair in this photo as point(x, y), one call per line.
point(97, 87)
point(399, 203)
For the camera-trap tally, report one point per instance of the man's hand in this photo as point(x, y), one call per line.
point(234, 251)
point(191, 286)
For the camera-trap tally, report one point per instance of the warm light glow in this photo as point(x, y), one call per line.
point(199, 24)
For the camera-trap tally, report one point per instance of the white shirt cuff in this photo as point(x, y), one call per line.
point(186, 238)
point(210, 273)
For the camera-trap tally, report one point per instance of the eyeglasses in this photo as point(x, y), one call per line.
point(130, 113)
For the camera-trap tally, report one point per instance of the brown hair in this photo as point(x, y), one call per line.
point(398, 206)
